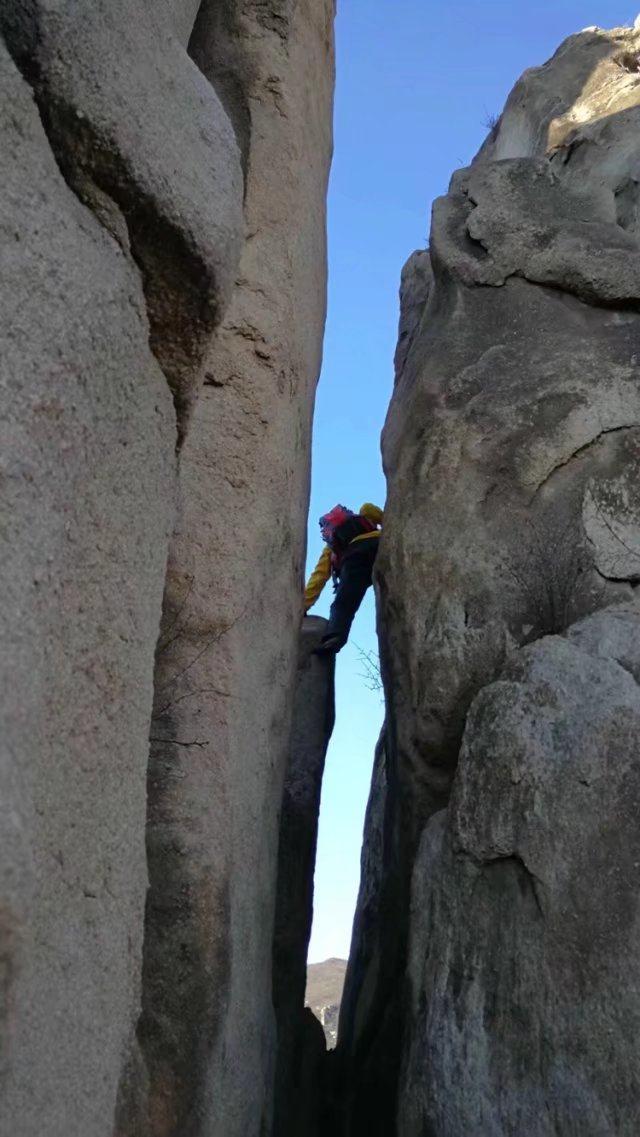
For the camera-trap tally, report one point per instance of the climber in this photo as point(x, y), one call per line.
point(352, 543)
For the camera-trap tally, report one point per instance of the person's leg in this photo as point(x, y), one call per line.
point(355, 579)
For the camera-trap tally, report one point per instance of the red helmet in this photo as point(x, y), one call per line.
point(329, 522)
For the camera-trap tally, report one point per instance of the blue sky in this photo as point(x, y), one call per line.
point(417, 80)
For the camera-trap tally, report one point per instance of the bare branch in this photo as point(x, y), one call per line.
point(371, 663)
point(548, 568)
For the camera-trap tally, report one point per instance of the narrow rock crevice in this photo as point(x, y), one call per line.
point(187, 950)
point(114, 201)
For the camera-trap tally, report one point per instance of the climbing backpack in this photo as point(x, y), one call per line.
point(352, 527)
point(339, 528)
point(330, 521)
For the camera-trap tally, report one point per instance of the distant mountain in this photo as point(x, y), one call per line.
point(325, 982)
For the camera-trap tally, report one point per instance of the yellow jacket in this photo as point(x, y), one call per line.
point(322, 571)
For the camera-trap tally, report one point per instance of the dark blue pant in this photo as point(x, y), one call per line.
point(355, 577)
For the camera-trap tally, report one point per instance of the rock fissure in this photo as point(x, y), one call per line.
point(179, 742)
point(174, 280)
point(182, 249)
point(580, 452)
point(633, 579)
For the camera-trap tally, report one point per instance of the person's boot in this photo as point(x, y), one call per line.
point(330, 645)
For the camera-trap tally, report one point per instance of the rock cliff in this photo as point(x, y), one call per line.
point(163, 286)
point(512, 451)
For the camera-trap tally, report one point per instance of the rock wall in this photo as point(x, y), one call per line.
point(154, 180)
point(511, 450)
point(301, 1044)
point(523, 963)
point(227, 657)
point(369, 1025)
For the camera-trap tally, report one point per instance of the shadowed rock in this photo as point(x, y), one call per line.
point(300, 1046)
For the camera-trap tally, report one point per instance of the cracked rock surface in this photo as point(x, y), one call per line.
point(523, 963)
point(512, 453)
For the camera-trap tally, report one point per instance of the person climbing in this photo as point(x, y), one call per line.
point(352, 543)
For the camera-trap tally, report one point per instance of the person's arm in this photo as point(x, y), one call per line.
point(318, 579)
point(372, 513)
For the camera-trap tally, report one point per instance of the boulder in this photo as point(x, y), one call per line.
point(525, 985)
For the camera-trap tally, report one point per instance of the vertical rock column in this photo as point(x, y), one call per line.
point(227, 655)
point(119, 237)
point(301, 1043)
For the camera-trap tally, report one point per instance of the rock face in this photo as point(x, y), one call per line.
point(227, 658)
point(525, 903)
point(88, 448)
point(142, 138)
point(300, 1045)
point(125, 213)
point(369, 1025)
point(511, 450)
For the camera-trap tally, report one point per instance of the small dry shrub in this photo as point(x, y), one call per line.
point(550, 571)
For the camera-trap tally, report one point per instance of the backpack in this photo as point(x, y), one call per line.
point(329, 522)
point(339, 527)
point(351, 527)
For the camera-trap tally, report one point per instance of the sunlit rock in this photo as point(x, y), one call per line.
point(512, 453)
